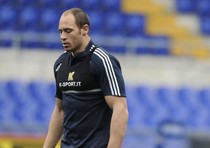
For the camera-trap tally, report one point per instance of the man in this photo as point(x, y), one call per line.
point(91, 109)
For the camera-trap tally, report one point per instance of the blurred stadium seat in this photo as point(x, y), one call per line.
point(166, 96)
point(66, 4)
point(96, 22)
point(8, 18)
point(38, 91)
point(49, 23)
point(30, 104)
point(113, 23)
point(8, 3)
point(152, 114)
point(186, 97)
point(29, 19)
point(204, 97)
point(31, 44)
point(186, 6)
point(116, 49)
point(160, 46)
point(205, 25)
point(25, 3)
point(91, 5)
point(203, 7)
point(111, 6)
point(135, 24)
point(49, 3)
point(5, 104)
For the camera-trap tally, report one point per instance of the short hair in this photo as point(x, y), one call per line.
point(81, 18)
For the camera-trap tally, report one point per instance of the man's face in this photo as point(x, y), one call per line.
point(70, 34)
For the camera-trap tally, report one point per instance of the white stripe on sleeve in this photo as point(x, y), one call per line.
point(109, 71)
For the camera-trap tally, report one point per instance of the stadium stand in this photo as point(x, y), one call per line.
point(146, 19)
point(149, 106)
point(136, 27)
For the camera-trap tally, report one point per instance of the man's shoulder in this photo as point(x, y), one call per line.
point(61, 57)
point(60, 60)
point(101, 54)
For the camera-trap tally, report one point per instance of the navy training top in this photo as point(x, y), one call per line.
point(82, 82)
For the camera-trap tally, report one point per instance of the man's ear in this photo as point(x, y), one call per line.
point(85, 29)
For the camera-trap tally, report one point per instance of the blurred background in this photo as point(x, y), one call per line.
point(164, 50)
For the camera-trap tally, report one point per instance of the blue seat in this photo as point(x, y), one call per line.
point(96, 22)
point(186, 96)
point(8, 3)
point(17, 92)
point(15, 89)
point(40, 92)
point(66, 4)
point(158, 45)
point(49, 3)
point(203, 7)
point(37, 90)
point(47, 22)
point(186, 6)
point(111, 6)
point(22, 104)
point(5, 103)
point(92, 5)
point(52, 45)
point(26, 3)
point(52, 89)
point(115, 49)
point(5, 43)
point(174, 109)
point(42, 115)
point(143, 47)
point(28, 45)
point(153, 112)
point(189, 104)
point(161, 45)
point(165, 95)
point(134, 25)
point(136, 111)
point(142, 50)
point(145, 96)
point(205, 25)
point(29, 19)
point(43, 99)
point(204, 97)
point(114, 24)
point(8, 18)
point(22, 115)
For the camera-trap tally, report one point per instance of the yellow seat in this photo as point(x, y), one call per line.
point(190, 46)
point(159, 22)
point(165, 24)
point(142, 6)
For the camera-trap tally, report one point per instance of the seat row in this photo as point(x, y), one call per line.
point(108, 5)
point(46, 20)
point(199, 7)
point(150, 106)
point(25, 104)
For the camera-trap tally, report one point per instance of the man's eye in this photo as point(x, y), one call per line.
point(67, 30)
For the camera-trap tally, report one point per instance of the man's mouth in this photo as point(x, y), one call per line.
point(65, 45)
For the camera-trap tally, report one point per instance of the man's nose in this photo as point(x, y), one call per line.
point(63, 36)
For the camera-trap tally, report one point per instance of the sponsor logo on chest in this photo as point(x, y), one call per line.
point(70, 82)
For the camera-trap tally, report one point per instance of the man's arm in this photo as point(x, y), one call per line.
point(55, 126)
point(119, 120)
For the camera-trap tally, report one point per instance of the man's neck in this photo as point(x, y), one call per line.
point(82, 47)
